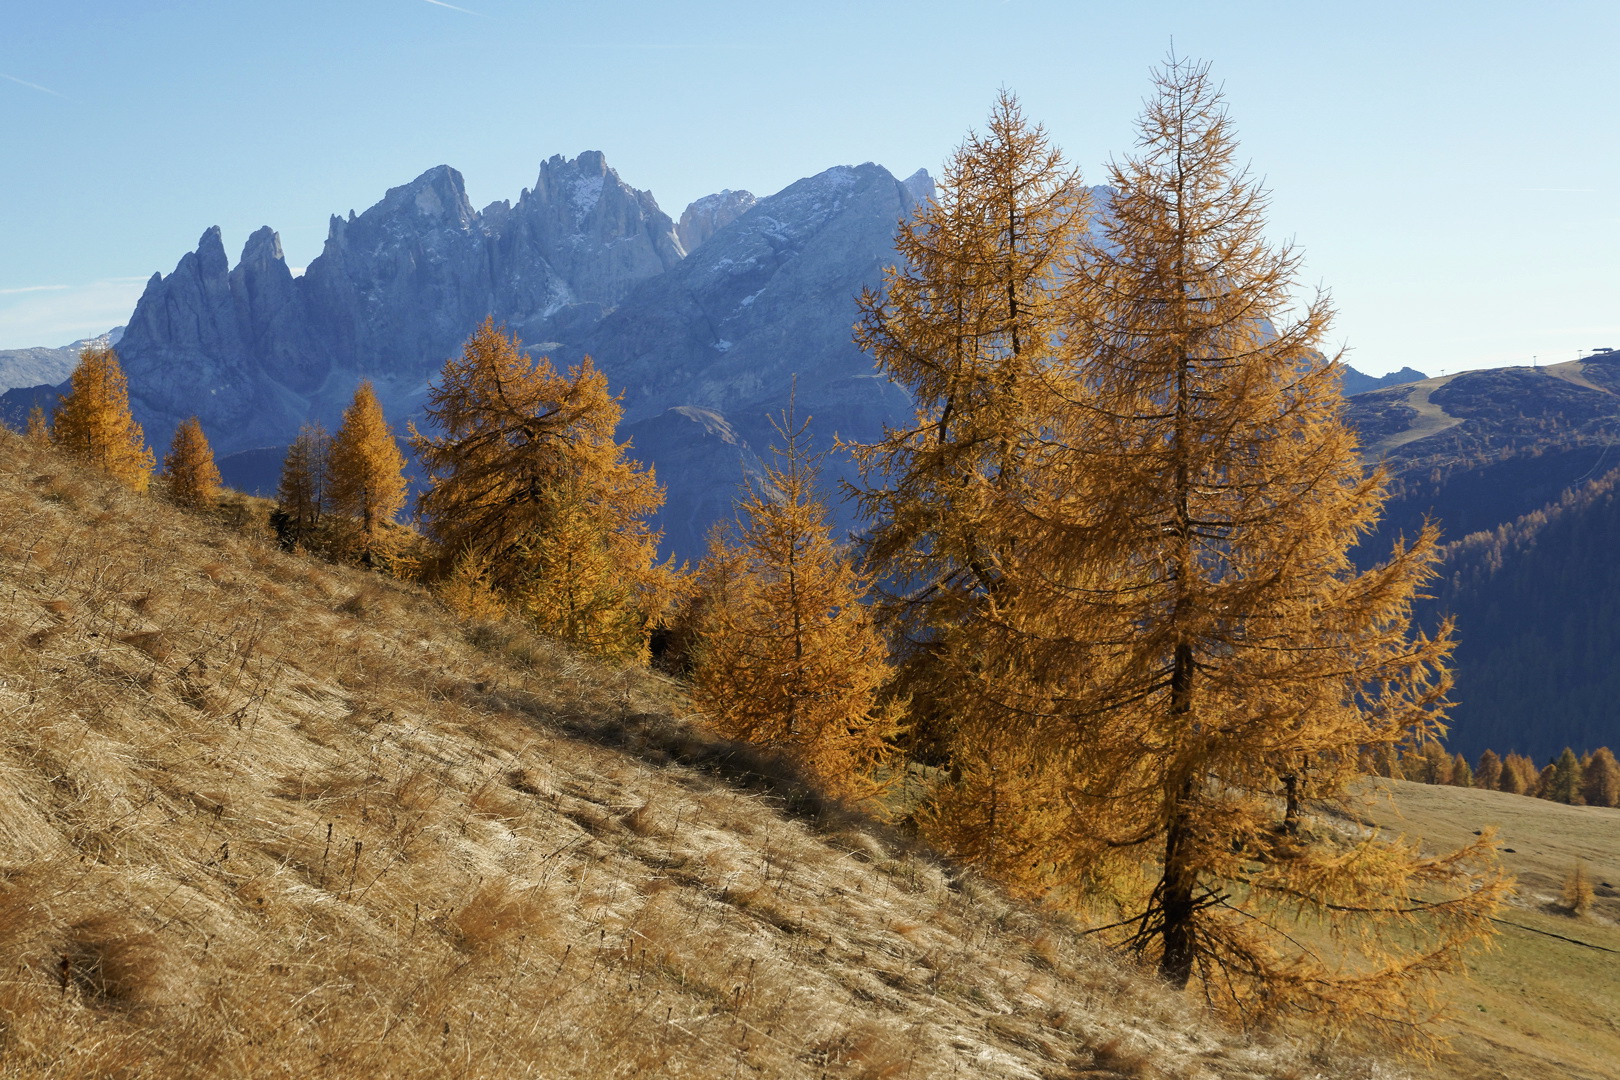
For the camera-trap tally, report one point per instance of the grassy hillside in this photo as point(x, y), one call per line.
point(1546, 1001)
point(266, 817)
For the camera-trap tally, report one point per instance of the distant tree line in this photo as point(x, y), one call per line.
point(1591, 779)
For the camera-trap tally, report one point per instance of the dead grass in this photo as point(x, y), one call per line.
point(269, 817)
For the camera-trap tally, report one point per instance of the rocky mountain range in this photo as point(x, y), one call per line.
point(255, 351)
point(705, 325)
point(47, 366)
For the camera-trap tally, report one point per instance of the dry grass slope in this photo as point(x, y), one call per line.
point(267, 817)
point(1545, 1002)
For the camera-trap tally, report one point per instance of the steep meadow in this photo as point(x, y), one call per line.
point(265, 816)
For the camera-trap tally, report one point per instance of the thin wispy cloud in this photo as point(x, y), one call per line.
point(452, 7)
point(33, 86)
point(53, 315)
point(664, 46)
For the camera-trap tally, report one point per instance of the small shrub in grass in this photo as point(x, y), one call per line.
point(494, 915)
point(116, 960)
point(1578, 891)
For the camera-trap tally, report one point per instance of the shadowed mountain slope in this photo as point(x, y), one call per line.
point(1515, 465)
point(1537, 602)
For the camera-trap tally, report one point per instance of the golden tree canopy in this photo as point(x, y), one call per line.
point(39, 426)
point(1114, 546)
point(367, 470)
point(968, 322)
point(1187, 630)
point(787, 654)
point(190, 476)
point(93, 421)
point(529, 490)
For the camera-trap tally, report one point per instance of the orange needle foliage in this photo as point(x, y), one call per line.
point(968, 323)
point(1191, 630)
point(190, 476)
point(367, 472)
point(93, 421)
point(39, 428)
point(1134, 579)
point(532, 501)
point(787, 655)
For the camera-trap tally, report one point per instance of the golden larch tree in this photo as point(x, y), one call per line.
point(93, 420)
point(367, 473)
point(570, 584)
point(1188, 632)
point(301, 494)
point(190, 477)
point(1518, 775)
point(39, 426)
point(1601, 779)
point(969, 322)
point(530, 496)
point(1578, 894)
point(787, 655)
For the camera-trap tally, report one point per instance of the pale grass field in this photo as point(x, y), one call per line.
point(265, 817)
point(1545, 1002)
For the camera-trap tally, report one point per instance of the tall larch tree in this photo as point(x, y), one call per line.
point(531, 497)
point(1188, 633)
point(190, 477)
point(787, 655)
point(301, 494)
point(93, 421)
point(968, 321)
point(367, 477)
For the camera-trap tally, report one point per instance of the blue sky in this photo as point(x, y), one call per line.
point(1447, 168)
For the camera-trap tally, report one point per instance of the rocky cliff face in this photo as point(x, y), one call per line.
point(255, 352)
point(708, 215)
point(768, 297)
point(764, 303)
